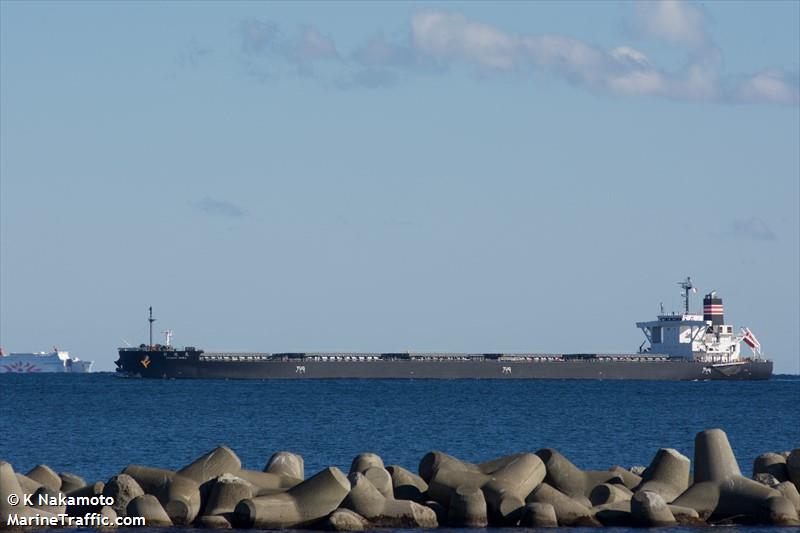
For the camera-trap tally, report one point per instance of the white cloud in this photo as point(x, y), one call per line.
point(625, 53)
point(257, 35)
point(262, 38)
point(312, 45)
point(379, 51)
point(674, 21)
point(448, 36)
point(566, 55)
point(770, 86)
point(441, 39)
point(454, 38)
point(637, 83)
point(699, 82)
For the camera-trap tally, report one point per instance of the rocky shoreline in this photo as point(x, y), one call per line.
point(526, 489)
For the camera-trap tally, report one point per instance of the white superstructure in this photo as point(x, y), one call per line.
point(37, 362)
point(698, 337)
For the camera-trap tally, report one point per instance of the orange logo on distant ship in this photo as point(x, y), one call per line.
point(146, 361)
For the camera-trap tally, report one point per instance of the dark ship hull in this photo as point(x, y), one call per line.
point(196, 364)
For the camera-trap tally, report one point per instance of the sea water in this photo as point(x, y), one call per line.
point(96, 424)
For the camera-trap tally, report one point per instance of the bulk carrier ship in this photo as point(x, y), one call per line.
point(677, 346)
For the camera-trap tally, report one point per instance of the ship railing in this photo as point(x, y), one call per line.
point(439, 357)
point(720, 357)
point(235, 357)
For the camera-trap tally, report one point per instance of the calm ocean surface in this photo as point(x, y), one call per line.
point(95, 424)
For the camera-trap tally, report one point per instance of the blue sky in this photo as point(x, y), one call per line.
point(395, 176)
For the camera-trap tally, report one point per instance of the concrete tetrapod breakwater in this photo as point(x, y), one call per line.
point(542, 489)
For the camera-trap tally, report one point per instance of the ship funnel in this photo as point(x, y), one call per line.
point(712, 309)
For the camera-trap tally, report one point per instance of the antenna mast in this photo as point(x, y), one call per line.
point(687, 286)
point(151, 320)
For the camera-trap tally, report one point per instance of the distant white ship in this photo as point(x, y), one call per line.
point(55, 361)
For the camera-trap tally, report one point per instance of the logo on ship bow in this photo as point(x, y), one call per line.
point(21, 367)
point(146, 361)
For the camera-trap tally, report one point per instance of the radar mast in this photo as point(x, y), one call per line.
point(151, 320)
point(687, 286)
